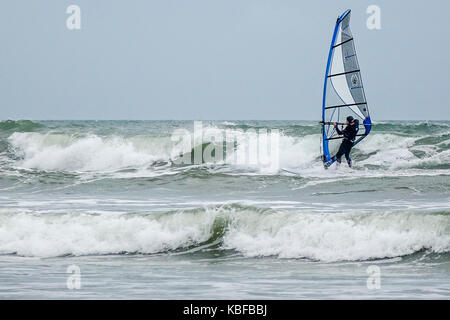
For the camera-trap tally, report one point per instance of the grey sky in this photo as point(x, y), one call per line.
point(215, 59)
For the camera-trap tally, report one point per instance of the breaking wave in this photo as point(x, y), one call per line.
point(391, 146)
point(246, 230)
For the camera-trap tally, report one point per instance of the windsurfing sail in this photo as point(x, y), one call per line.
point(343, 90)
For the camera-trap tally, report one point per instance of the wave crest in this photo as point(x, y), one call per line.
point(389, 147)
point(251, 231)
point(19, 126)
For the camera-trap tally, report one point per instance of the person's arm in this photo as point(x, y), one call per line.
point(339, 132)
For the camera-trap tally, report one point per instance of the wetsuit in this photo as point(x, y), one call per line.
point(349, 134)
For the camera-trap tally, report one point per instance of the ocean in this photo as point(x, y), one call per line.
point(103, 209)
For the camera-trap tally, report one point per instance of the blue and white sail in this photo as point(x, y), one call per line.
point(343, 91)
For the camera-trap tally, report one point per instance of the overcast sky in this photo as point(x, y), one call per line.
point(215, 59)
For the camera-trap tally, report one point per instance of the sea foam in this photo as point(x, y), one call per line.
point(250, 231)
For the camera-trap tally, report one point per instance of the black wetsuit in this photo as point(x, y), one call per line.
point(349, 134)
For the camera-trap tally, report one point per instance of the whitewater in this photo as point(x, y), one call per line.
point(109, 197)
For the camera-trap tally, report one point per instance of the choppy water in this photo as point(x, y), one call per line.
point(107, 196)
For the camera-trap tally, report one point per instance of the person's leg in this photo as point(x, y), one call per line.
point(340, 152)
point(349, 160)
point(347, 153)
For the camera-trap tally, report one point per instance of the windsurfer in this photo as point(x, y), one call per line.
point(349, 134)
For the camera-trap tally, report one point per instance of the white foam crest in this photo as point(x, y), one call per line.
point(389, 151)
point(339, 236)
point(385, 141)
point(302, 151)
point(292, 152)
point(48, 235)
point(87, 153)
point(92, 153)
point(335, 236)
point(396, 152)
point(229, 123)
